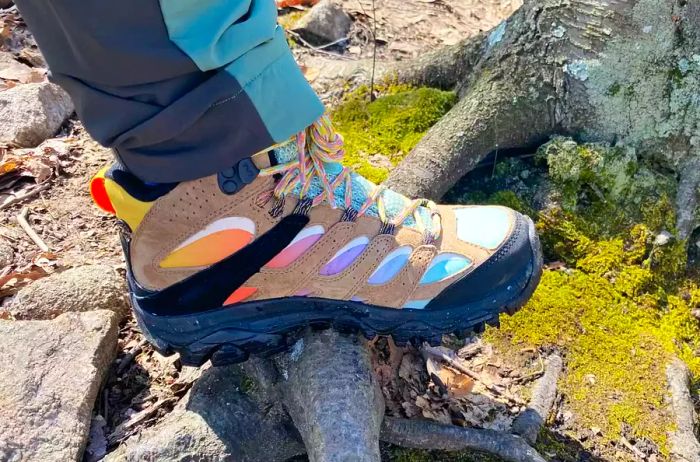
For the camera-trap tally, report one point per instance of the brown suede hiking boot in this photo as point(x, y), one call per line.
point(237, 263)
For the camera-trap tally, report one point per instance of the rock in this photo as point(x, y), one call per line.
point(326, 22)
point(11, 69)
point(663, 238)
point(6, 253)
point(31, 113)
point(220, 419)
point(85, 288)
point(51, 375)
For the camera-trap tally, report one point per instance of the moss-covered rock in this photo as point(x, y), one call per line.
point(380, 133)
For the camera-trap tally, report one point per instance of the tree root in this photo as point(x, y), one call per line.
point(423, 434)
point(684, 442)
point(333, 398)
point(494, 115)
point(445, 68)
point(529, 423)
point(322, 392)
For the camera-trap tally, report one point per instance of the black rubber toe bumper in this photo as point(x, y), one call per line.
point(496, 273)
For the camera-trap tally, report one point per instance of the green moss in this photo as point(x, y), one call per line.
point(380, 133)
point(623, 305)
point(288, 20)
point(248, 385)
point(398, 454)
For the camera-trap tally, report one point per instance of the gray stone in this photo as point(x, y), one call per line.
point(663, 238)
point(32, 113)
point(51, 375)
point(85, 288)
point(326, 22)
point(11, 69)
point(6, 253)
point(224, 418)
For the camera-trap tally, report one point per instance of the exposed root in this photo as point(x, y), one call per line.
point(529, 423)
point(688, 196)
point(423, 434)
point(445, 68)
point(495, 114)
point(332, 397)
point(684, 442)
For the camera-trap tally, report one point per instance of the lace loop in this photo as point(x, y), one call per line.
point(320, 145)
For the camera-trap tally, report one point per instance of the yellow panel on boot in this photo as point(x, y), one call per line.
point(127, 207)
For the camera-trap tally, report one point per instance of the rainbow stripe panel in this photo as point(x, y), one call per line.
point(217, 241)
point(444, 266)
point(391, 265)
point(301, 243)
point(345, 256)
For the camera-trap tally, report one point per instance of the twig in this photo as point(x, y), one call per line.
point(374, 51)
point(455, 363)
point(533, 375)
point(625, 442)
point(684, 444)
point(22, 220)
point(122, 430)
point(25, 196)
point(129, 357)
point(424, 434)
point(320, 49)
point(528, 423)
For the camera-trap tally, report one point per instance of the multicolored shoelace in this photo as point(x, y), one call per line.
point(320, 145)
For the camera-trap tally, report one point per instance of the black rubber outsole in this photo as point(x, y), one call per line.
point(264, 328)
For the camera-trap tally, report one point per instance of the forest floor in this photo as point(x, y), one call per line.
point(77, 233)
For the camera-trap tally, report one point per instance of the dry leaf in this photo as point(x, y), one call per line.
point(40, 164)
point(457, 385)
point(295, 3)
point(311, 73)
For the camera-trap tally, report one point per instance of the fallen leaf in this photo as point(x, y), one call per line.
point(456, 384)
point(311, 73)
point(293, 3)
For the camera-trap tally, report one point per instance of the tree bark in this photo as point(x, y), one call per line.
point(620, 71)
point(332, 397)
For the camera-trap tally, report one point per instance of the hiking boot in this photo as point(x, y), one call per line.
point(241, 262)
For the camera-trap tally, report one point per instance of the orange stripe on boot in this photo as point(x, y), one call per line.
point(208, 250)
point(240, 294)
